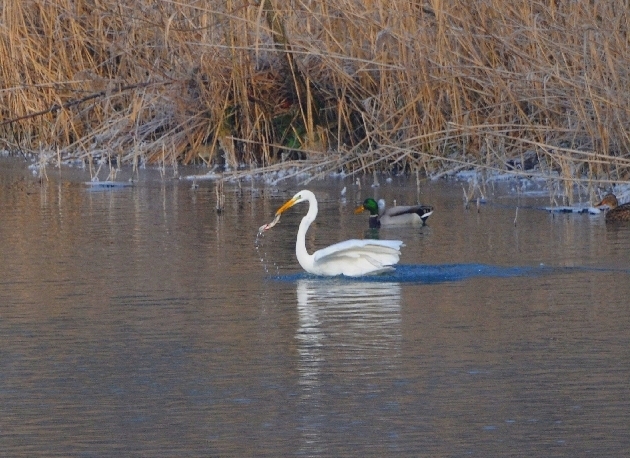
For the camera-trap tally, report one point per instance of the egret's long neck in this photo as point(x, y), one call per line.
point(305, 259)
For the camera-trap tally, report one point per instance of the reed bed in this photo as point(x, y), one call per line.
point(357, 85)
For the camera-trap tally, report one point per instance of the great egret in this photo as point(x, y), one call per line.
point(395, 216)
point(353, 258)
point(617, 212)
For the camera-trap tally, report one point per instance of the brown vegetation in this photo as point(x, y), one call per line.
point(355, 84)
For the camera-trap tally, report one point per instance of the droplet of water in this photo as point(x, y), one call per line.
point(263, 254)
point(262, 257)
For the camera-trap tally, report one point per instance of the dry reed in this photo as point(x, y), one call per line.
point(531, 87)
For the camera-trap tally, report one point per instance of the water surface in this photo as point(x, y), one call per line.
point(137, 321)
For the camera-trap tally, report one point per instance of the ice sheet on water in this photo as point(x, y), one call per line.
point(585, 208)
point(99, 185)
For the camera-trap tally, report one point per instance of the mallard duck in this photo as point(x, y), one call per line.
point(353, 258)
point(394, 216)
point(616, 212)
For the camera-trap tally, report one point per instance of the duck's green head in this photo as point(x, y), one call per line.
point(370, 205)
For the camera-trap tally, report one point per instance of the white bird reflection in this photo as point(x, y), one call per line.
point(349, 337)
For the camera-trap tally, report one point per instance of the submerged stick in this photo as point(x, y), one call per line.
point(220, 196)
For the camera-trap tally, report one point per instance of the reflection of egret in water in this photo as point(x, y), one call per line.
point(349, 338)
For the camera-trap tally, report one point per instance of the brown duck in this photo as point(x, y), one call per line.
point(616, 212)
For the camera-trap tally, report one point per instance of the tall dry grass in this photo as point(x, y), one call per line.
point(356, 84)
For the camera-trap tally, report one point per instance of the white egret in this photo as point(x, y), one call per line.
point(353, 258)
point(395, 216)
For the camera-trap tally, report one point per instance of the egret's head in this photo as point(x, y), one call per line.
point(609, 201)
point(370, 205)
point(296, 199)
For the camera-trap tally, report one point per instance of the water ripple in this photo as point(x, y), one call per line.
point(439, 273)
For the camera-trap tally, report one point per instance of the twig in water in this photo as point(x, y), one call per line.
point(516, 216)
point(466, 198)
point(218, 189)
point(375, 183)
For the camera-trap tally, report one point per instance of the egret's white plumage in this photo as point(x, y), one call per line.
point(352, 258)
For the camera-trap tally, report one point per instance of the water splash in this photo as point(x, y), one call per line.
point(438, 273)
point(261, 231)
point(262, 253)
point(442, 273)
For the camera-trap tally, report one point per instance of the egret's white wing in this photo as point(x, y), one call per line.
point(356, 263)
point(356, 248)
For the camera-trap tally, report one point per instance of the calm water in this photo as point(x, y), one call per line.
point(138, 322)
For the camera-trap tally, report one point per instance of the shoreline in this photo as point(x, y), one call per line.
point(473, 181)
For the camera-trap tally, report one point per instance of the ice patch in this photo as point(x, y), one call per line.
point(573, 209)
point(97, 185)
